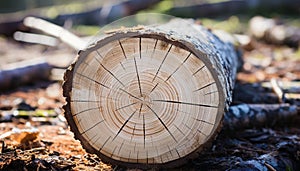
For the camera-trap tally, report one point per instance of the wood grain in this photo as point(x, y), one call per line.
point(140, 98)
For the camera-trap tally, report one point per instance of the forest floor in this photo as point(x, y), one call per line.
point(35, 134)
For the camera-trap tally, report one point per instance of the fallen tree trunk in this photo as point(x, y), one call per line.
point(233, 7)
point(253, 94)
point(24, 72)
point(258, 115)
point(151, 96)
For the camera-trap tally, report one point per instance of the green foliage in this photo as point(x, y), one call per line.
point(232, 24)
point(53, 11)
point(296, 55)
point(160, 7)
point(86, 30)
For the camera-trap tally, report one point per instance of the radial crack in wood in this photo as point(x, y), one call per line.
point(154, 97)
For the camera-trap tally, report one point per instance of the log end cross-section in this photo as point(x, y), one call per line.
point(150, 97)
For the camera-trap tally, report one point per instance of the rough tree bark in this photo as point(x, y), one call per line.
point(150, 96)
point(258, 115)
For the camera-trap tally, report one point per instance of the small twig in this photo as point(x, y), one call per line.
point(271, 168)
point(292, 96)
point(6, 134)
point(33, 150)
point(277, 90)
point(35, 38)
point(3, 146)
point(286, 86)
point(56, 31)
point(290, 89)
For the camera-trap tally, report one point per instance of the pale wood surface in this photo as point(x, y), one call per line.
point(56, 31)
point(144, 97)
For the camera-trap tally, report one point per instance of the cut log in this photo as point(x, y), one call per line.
point(151, 96)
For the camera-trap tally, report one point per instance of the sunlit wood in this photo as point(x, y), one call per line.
point(140, 97)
